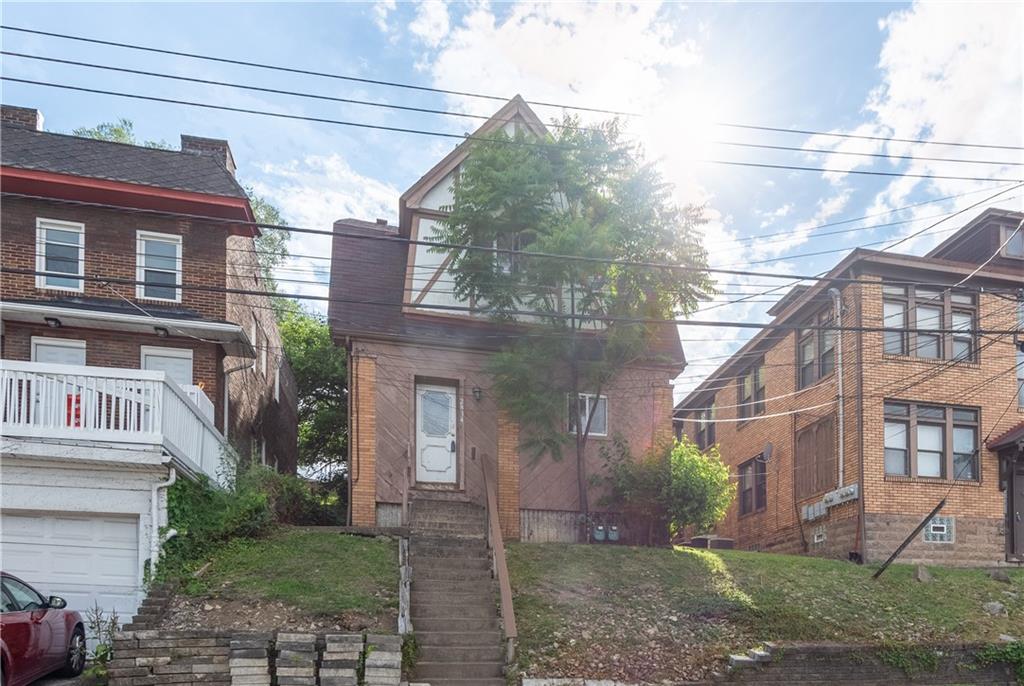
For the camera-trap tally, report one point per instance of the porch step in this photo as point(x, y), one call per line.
point(460, 670)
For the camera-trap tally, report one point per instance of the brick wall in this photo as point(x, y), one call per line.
point(255, 413)
point(363, 444)
point(888, 504)
point(110, 251)
point(508, 476)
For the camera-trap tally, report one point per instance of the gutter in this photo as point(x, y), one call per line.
point(154, 534)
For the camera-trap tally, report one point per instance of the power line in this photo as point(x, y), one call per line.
point(450, 113)
point(525, 313)
point(394, 238)
point(471, 94)
point(468, 137)
point(306, 72)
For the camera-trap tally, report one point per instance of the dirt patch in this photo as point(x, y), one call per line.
point(186, 612)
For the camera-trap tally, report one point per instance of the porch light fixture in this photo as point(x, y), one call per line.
point(478, 393)
point(161, 331)
point(52, 322)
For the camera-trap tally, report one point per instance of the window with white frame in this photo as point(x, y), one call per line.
point(158, 266)
point(60, 255)
point(277, 383)
point(579, 413)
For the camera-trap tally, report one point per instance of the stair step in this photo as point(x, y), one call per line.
point(419, 563)
point(483, 609)
point(451, 574)
point(454, 624)
point(462, 639)
point(428, 596)
point(462, 654)
point(464, 670)
point(482, 681)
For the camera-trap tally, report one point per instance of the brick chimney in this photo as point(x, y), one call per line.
point(213, 147)
point(26, 117)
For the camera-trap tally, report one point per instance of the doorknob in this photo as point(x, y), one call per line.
point(452, 448)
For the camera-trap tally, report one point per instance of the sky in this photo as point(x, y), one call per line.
point(949, 72)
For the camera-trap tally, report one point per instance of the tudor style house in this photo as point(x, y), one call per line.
point(420, 398)
point(842, 445)
point(125, 364)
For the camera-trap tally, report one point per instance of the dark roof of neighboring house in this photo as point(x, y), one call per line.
point(26, 148)
point(1008, 439)
point(367, 293)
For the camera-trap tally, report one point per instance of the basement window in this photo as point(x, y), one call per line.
point(940, 530)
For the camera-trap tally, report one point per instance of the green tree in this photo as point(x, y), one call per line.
point(120, 131)
point(671, 487)
point(581, 192)
point(320, 369)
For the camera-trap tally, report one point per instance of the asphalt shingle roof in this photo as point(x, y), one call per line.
point(25, 148)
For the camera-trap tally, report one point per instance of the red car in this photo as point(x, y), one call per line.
point(37, 635)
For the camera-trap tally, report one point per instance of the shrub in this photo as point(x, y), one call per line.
point(206, 517)
point(670, 486)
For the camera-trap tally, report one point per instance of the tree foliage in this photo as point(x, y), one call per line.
point(120, 131)
point(580, 192)
point(672, 486)
point(320, 369)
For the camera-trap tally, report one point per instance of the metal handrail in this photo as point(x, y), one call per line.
point(497, 544)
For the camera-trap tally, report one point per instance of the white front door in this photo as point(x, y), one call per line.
point(436, 408)
point(176, 362)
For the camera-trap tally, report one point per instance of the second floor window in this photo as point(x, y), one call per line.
point(751, 391)
point(1020, 355)
point(915, 313)
point(704, 436)
point(159, 266)
point(579, 412)
point(816, 349)
point(753, 486)
point(933, 441)
point(60, 254)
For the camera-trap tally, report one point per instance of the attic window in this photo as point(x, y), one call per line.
point(1013, 237)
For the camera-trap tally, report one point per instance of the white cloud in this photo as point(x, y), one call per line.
point(314, 192)
point(381, 11)
point(431, 23)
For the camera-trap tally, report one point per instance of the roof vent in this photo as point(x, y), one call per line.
point(26, 117)
point(382, 222)
point(212, 147)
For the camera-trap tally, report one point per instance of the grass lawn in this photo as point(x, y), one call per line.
point(644, 614)
point(316, 574)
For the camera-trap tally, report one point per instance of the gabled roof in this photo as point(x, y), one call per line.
point(514, 110)
point(971, 228)
point(25, 148)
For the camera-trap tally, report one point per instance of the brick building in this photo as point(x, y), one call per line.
point(420, 396)
point(927, 410)
point(125, 364)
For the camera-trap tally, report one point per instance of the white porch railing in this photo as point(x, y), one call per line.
point(135, 406)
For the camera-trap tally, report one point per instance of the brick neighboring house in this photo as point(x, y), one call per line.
point(419, 393)
point(111, 389)
point(916, 408)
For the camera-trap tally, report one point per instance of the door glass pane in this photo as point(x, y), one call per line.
point(435, 413)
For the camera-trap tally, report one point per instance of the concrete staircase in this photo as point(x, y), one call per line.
point(454, 609)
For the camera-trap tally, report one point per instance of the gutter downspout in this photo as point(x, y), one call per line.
point(227, 396)
point(837, 306)
point(154, 535)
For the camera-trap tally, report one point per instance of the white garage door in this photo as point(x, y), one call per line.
point(84, 558)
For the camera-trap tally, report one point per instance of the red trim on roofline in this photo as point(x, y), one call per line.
point(129, 195)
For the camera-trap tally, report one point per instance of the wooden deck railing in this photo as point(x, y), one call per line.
point(497, 545)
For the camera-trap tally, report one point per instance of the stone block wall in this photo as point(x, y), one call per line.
point(153, 658)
